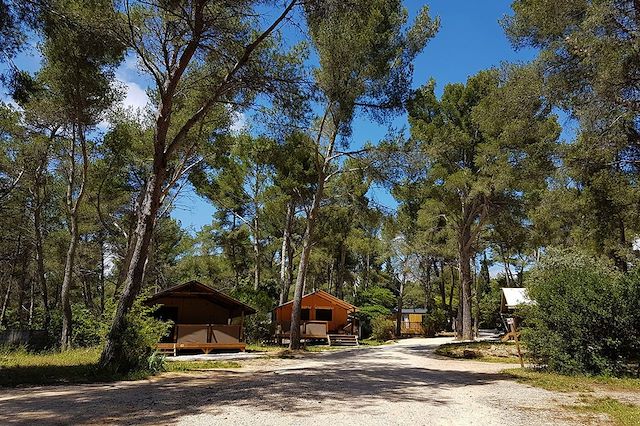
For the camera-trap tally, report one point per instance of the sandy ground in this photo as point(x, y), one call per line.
point(401, 384)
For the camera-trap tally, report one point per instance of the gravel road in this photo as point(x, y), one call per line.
point(401, 384)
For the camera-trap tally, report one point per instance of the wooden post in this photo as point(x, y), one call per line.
point(242, 327)
point(515, 337)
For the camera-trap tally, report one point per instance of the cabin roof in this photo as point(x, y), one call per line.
point(413, 310)
point(513, 297)
point(196, 288)
point(323, 294)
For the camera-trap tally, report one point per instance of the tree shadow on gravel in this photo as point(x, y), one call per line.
point(358, 379)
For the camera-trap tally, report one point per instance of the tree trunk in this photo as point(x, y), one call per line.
point(40, 271)
point(285, 259)
point(102, 278)
point(443, 290)
point(465, 283)
point(65, 292)
point(341, 270)
point(5, 302)
point(112, 355)
point(256, 253)
point(294, 342)
point(32, 294)
point(366, 271)
point(452, 318)
point(428, 299)
point(74, 235)
point(399, 307)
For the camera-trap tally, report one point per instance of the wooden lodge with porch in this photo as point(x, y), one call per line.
point(323, 316)
point(203, 318)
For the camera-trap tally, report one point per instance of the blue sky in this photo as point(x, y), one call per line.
point(470, 39)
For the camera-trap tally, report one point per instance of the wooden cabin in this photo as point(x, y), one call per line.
point(203, 318)
point(411, 322)
point(322, 315)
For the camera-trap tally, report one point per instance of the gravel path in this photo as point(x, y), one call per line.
point(398, 384)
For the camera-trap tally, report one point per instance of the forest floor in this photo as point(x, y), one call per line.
point(404, 383)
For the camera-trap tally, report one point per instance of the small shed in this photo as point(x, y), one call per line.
point(322, 314)
point(512, 298)
point(204, 318)
point(412, 321)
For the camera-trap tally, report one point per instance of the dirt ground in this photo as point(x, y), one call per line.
point(398, 384)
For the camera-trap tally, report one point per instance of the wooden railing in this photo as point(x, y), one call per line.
point(207, 333)
point(412, 327)
point(310, 328)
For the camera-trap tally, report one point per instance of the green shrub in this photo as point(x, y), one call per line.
point(143, 331)
point(258, 327)
point(583, 318)
point(87, 327)
point(434, 320)
point(490, 308)
point(366, 314)
point(382, 328)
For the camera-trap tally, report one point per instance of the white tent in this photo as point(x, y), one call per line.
point(513, 297)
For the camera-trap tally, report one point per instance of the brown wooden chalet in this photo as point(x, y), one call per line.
point(323, 316)
point(204, 318)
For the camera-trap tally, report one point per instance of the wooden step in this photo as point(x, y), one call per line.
point(342, 340)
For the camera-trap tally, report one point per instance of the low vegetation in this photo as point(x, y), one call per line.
point(481, 351)
point(18, 367)
point(621, 413)
point(577, 383)
point(175, 366)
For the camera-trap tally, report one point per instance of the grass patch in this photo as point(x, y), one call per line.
point(562, 383)
point(620, 413)
point(175, 366)
point(498, 352)
point(19, 367)
point(374, 342)
point(255, 347)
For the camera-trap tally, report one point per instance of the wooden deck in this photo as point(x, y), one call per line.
point(173, 348)
point(203, 337)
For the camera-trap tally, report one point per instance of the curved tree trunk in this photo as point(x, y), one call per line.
point(73, 206)
point(65, 292)
point(285, 258)
point(112, 355)
point(294, 342)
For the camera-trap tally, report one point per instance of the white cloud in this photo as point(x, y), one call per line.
point(238, 122)
point(135, 96)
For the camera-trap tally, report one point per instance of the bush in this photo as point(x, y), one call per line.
point(434, 320)
point(258, 328)
point(87, 327)
point(143, 331)
point(366, 314)
point(583, 318)
point(382, 328)
point(490, 308)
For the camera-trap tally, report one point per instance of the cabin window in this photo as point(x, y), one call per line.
point(304, 314)
point(324, 314)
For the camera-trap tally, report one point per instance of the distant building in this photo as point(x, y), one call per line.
point(412, 321)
